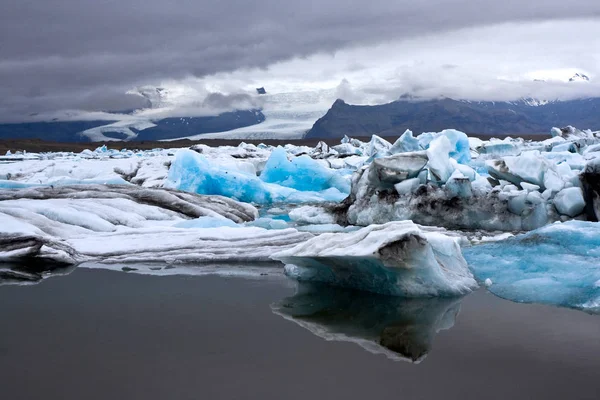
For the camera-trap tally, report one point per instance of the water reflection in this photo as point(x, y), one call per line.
point(31, 274)
point(401, 329)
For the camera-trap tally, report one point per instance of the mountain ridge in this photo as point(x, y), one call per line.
point(517, 117)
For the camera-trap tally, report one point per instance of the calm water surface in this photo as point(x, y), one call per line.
point(98, 334)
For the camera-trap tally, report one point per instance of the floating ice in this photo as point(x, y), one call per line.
point(206, 222)
point(528, 167)
point(557, 264)
point(194, 173)
point(126, 224)
point(397, 258)
point(459, 148)
point(405, 143)
point(269, 223)
point(570, 201)
point(378, 147)
point(440, 167)
point(302, 173)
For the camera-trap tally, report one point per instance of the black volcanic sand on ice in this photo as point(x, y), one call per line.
point(97, 334)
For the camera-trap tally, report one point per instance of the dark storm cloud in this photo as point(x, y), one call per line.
point(57, 54)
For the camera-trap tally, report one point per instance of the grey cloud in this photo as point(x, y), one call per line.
point(58, 53)
point(233, 101)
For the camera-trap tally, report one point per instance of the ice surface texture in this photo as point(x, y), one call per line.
point(127, 224)
point(397, 258)
point(195, 173)
point(557, 264)
point(302, 173)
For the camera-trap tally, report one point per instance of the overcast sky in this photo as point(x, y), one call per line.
point(86, 54)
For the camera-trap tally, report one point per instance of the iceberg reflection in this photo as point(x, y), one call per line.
point(31, 274)
point(399, 328)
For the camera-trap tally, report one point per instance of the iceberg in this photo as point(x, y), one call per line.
point(207, 222)
point(570, 202)
point(125, 224)
point(192, 172)
point(401, 329)
point(302, 173)
point(405, 143)
point(439, 165)
point(377, 147)
point(459, 148)
point(556, 264)
point(397, 258)
point(166, 245)
point(528, 167)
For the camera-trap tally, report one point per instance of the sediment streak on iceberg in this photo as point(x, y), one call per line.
point(126, 224)
point(397, 258)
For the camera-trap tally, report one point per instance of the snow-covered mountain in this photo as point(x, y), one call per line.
point(178, 111)
point(579, 77)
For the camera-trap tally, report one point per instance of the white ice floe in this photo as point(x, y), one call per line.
point(397, 258)
point(125, 224)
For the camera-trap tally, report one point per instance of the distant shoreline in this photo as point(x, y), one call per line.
point(37, 145)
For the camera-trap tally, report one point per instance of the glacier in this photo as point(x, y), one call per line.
point(556, 264)
point(397, 258)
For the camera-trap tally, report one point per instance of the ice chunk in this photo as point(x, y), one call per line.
point(347, 149)
point(557, 264)
point(302, 173)
point(405, 143)
point(397, 258)
point(311, 215)
point(194, 173)
point(127, 225)
point(552, 181)
point(174, 245)
point(570, 201)
point(378, 147)
point(206, 222)
point(459, 186)
point(387, 171)
point(269, 223)
point(401, 329)
point(530, 187)
point(408, 186)
point(326, 228)
point(459, 143)
point(439, 164)
point(499, 148)
point(528, 167)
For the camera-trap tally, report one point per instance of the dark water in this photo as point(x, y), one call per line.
point(110, 335)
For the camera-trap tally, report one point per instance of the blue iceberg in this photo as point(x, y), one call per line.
point(397, 259)
point(302, 173)
point(459, 141)
point(192, 172)
point(558, 264)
